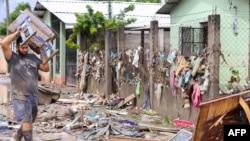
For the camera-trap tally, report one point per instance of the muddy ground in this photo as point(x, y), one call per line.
point(76, 117)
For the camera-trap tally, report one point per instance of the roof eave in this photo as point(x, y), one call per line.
point(39, 10)
point(166, 8)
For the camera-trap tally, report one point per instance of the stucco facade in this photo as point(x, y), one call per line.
point(234, 29)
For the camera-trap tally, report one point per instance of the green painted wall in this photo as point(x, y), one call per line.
point(47, 18)
point(62, 48)
point(234, 46)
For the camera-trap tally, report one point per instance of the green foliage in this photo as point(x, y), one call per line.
point(136, 117)
point(150, 112)
point(234, 72)
point(94, 46)
point(3, 29)
point(149, 1)
point(93, 25)
point(167, 120)
point(233, 78)
point(157, 122)
point(20, 7)
point(70, 42)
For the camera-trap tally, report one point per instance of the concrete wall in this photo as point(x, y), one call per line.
point(45, 76)
point(3, 63)
point(132, 41)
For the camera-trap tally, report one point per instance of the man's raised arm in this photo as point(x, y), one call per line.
point(5, 44)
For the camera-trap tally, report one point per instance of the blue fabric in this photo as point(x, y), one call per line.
point(146, 98)
point(26, 110)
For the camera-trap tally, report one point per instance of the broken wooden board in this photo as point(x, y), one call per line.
point(54, 137)
point(6, 109)
point(245, 107)
point(48, 93)
point(121, 138)
point(157, 128)
point(209, 110)
point(72, 101)
point(126, 100)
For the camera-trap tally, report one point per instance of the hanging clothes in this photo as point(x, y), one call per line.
point(196, 95)
point(182, 64)
point(136, 59)
point(172, 83)
point(158, 92)
point(138, 88)
point(146, 98)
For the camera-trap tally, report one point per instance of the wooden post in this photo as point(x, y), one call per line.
point(214, 54)
point(120, 44)
point(161, 40)
point(82, 41)
point(108, 44)
point(142, 45)
point(153, 45)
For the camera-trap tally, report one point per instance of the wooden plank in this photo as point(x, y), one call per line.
point(157, 128)
point(5, 96)
point(7, 111)
point(126, 100)
point(225, 97)
point(217, 122)
point(122, 138)
point(202, 118)
point(72, 101)
point(225, 105)
point(245, 108)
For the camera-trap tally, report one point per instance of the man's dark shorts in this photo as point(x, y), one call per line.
point(25, 110)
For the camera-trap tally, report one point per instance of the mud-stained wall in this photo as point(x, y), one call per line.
point(169, 106)
point(3, 63)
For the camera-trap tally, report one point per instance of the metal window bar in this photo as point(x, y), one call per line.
point(192, 40)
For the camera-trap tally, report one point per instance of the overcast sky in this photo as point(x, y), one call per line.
point(12, 6)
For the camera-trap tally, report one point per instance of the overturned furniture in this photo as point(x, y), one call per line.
point(48, 93)
point(36, 33)
point(233, 109)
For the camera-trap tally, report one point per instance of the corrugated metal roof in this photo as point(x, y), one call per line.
point(143, 12)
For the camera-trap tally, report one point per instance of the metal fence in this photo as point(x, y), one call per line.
point(234, 38)
point(191, 38)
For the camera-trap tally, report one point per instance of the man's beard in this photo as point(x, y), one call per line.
point(20, 53)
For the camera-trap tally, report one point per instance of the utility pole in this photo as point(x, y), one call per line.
point(109, 9)
point(7, 17)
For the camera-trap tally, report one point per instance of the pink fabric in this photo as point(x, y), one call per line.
point(173, 76)
point(183, 123)
point(196, 95)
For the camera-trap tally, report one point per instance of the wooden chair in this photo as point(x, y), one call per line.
point(34, 31)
